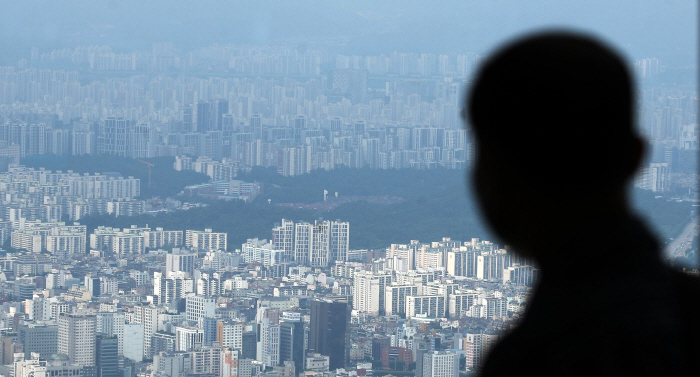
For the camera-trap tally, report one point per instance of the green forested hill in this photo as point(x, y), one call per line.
point(308, 188)
point(436, 205)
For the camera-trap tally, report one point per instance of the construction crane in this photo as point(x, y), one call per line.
point(150, 165)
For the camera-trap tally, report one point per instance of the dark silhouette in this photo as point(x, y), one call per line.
point(553, 119)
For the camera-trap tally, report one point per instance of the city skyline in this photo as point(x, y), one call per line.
point(287, 189)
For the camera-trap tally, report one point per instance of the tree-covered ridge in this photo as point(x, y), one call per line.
point(436, 205)
point(308, 188)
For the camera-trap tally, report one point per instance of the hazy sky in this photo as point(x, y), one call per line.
point(666, 29)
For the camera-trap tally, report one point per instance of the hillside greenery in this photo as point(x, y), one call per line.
point(436, 205)
point(308, 188)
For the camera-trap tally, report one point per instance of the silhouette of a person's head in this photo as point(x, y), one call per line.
point(553, 119)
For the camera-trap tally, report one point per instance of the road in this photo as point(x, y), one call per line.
point(682, 243)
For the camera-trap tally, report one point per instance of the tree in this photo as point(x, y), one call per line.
point(397, 365)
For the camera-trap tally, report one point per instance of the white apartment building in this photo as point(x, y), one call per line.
point(148, 317)
point(490, 266)
point(261, 251)
point(339, 241)
point(171, 365)
point(520, 275)
point(37, 309)
point(180, 260)
point(102, 186)
point(656, 177)
point(369, 291)
point(395, 302)
point(127, 207)
point(209, 285)
point(206, 240)
point(160, 238)
point(283, 238)
point(26, 241)
point(461, 302)
point(219, 260)
point(128, 243)
point(689, 136)
point(317, 244)
point(303, 238)
point(69, 241)
point(171, 288)
point(35, 236)
point(434, 306)
point(206, 361)
point(496, 307)
point(462, 263)
point(101, 238)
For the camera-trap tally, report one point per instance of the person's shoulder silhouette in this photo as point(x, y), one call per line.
point(552, 115)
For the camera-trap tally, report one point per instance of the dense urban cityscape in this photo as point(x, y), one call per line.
point(80, 297)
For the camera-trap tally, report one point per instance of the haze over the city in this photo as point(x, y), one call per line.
point(666, 29)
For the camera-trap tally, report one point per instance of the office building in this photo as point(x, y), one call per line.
point(440, 364)
point(197, 307)
point(329, 332)
point(162, 342)
point(111, 324)
point(188, 338)
point(76, 338)
point(249, 344)
point(38, 338)
point(54, 366)
point(292, 342)
point(229, 335)
point(134, 341)
point(106, 356)
point(269, 342)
